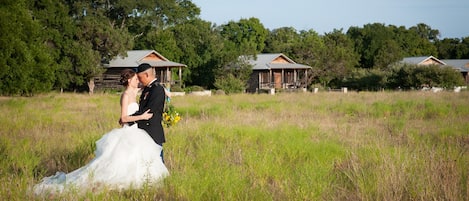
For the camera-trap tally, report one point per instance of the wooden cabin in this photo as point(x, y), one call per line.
point(163, 68)
point(276, 71)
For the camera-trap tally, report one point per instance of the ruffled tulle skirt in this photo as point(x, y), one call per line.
point(124, 158)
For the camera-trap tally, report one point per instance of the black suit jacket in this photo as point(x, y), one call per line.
point(153, 98)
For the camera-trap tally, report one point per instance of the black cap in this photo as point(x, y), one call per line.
point(143, 67)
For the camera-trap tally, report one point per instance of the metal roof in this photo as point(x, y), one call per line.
point(288, 66)
point(264, 62)
point(164, 64)
point(135, 57)
point(420, 60)
point(459, 64)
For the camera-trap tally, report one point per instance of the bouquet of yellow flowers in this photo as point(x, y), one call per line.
point(170, 116)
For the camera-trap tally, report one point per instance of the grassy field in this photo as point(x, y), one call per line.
point(292, 146)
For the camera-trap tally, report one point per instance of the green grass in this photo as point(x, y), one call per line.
point(298, 146)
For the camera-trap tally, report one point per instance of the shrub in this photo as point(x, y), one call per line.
point(177, 88)
point(230, 84)
point(413, 76)
point(365, 79)
point(195, 88)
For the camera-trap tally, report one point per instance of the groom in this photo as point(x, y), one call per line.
point(152, 98)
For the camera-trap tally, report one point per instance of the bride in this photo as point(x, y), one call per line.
point(125, 157)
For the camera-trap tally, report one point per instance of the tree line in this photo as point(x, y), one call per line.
point(61, 45)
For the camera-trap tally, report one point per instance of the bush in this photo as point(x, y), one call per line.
point(413, 76)
point(230, 84)
point(195, 88)
point(177, 88)
point(365, 79)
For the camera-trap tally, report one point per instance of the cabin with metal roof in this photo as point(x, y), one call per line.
point(276, 71)
point(461, 65)
point(425, 60)
point(163, 68)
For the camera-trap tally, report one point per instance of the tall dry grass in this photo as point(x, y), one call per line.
point(290, 146)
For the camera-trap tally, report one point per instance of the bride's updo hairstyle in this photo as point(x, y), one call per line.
point(126, 75)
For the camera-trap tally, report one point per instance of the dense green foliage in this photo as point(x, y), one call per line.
point(234, 77)
point(404, 77)
point(425, 76)
point(63, 44)
point(25, 68)
point(379, 45)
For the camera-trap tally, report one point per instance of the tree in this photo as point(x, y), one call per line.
point(308, 48)
point(195, 43)
point(368, 41)
point(25, 68)
point(338, 58)
point(59, 37)
point(390, 52)
point(149, 16)
point(247, 36)
point(233, 78)
point(102, 37)
point(453, 48)
point(464, 49)
point(81, 35)
point(202, 51)
point(448, 48)
point(426, 32)
point(379, 45)
point(417, 40)
point(281, 40)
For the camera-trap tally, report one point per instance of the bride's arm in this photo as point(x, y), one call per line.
point(127, 118)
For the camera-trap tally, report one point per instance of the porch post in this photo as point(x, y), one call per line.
point(259, 78)
point(168, 76)
point(180, 76)
point(270, 78)
point(283, 79)
point(306, 78)
point(294, 77)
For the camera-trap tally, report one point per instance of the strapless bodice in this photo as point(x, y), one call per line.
point(132, 108)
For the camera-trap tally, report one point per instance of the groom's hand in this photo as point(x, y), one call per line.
point(120, 121)
point(147, 115)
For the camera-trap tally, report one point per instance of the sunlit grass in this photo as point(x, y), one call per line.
point(290, 146)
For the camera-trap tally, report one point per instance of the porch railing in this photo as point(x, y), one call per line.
point(286, 85)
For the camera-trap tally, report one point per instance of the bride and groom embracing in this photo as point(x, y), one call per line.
point(126, 157)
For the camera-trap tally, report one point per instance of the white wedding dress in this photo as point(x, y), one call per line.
point(124, 158)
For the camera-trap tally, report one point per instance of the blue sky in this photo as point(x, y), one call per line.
point(450, 17)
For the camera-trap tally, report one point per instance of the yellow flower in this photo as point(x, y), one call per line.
point(170, 116)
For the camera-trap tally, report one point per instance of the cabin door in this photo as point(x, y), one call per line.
point(278, 80)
